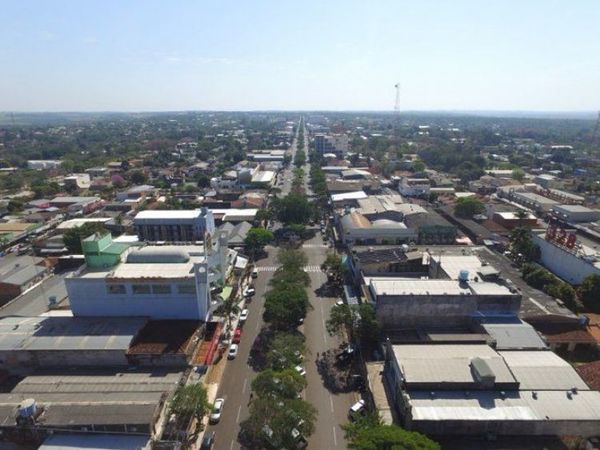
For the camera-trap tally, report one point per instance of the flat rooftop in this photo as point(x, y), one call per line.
point(168, 214)
point(67, 333)
point(164, 336)
point(402, 286)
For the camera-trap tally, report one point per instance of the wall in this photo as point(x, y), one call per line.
point(23, 362)
point(563, 263)
point(440, 310)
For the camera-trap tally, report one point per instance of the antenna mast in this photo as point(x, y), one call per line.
point(397, 104)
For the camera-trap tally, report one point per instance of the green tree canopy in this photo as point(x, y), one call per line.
point(257, 238)
point(521, 243)
point(286, 350)
point(273, 384)
point(137, 177)
point(334, 266)
point(293, 208)
point(190, 400)
point(589, 293)
point(72, 237)
point(390, 437)
point(518, 174)
point(286, 306)
point(467, 207)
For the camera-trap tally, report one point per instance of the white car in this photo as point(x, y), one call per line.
point(233, 351)
point(215, 414)
point(301, 370)
point(244, 315)
point(249, 292)
point(339, 302)
point(357, 409)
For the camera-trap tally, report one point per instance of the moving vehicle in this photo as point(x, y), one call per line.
point(244, 315)
point(215, 414)
point(233, 351)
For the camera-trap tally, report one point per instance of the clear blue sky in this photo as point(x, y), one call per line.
point(278, 54)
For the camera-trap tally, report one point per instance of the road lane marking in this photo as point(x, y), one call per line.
point(258, 325)
point(331, 404)
point(238, 414)
point(334, 437)
point(231, 446)
point(245, 383)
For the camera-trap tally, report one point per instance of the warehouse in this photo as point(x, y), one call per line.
point(475, 390)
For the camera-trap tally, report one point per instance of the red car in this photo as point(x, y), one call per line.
point(237, 335)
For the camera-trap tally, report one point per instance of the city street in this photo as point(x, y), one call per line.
point(235, 385)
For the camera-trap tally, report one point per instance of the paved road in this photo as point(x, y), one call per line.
point(332, 409)
point(238, 376)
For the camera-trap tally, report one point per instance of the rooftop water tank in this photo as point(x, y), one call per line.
point(463, 276)
point(27, 408)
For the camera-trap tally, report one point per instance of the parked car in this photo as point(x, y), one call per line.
point(208, 441)
point(358, 409)
point(254, 273)
point(233, 351)
point(244, 315)
point(215, 414)
point(339, 302)
point(237, 335)
point(249, 292)
point(301, 370)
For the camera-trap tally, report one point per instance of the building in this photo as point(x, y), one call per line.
point(402, 303)
point(77, 181)
point(154, 281)
point(358, 229)
point(43, 164)
point(414, 187)
point(533, 201)
point(476, 390)
point(77, 205)
point(545, 180)
point(566, 259)
point(174, 226)
point(267, 155)
point(136, 193)
point(236, 234)
point(575, 213)
point(88, 402)
point(332, 143)
point(510, 220)
point(20, 274)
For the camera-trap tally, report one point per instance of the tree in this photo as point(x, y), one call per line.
point(274, 384)
point(228, 308)
point(15, 205)
point(285, 307)
point(335, 268)
point(286, 350)
point(589, 292)
point(393, 437)
point(257, 238)
point(418, 166)
point(341, 318)
point(293, 208)
point(292, 259)
point(468, 207)
point(271, 423)
point(263, 215)
point(522, 245)
point(202, 180)
point(138, 177)
point(518, 174)
point(72, 237)
point(190, 401)
point(359, 321)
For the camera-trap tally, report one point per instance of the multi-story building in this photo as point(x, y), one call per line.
point(414, 187)
point(332, 143)
point(158, 282)
point(174, 226)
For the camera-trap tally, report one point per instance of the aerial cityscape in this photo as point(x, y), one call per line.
point(272, 226)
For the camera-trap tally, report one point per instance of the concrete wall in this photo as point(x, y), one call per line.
point(562, 263)
point(89, 297)
point(440, 310)
point(22, 362)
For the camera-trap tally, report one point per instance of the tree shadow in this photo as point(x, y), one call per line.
point(335, 373)
point(257, 359)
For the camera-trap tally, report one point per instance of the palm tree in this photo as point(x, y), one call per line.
point(228, 308)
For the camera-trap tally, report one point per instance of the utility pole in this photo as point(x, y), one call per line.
point(594, 140)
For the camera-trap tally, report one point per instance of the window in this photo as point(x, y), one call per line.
point(141, 288)
point(161, 289)
point(116, 289)
point(186, 288)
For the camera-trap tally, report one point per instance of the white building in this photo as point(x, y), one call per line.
point(333, 143)
point(43, 164)
point(414, 187)
point(158, 282)
point(572, 265)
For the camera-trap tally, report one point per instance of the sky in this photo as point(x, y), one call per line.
point(126, 55)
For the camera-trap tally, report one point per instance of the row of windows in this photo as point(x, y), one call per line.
point(145, 289)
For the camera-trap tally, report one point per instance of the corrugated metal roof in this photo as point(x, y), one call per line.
point(542, 370)
point(514, 336)
point(67, 333)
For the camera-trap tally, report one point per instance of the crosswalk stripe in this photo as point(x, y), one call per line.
point(274, 268)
